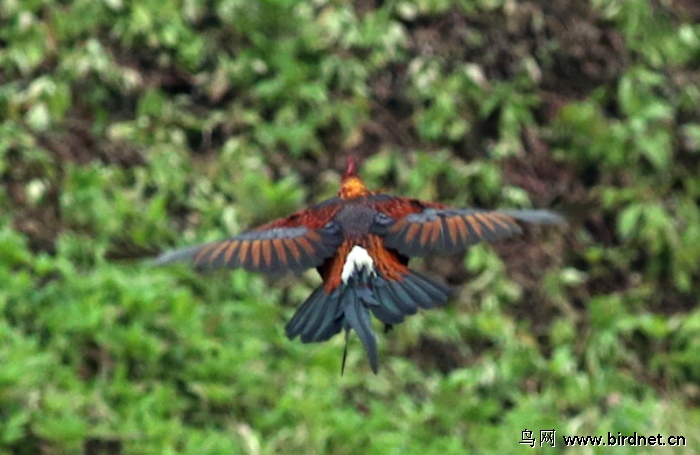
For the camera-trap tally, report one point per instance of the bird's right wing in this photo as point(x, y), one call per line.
point(416, 228)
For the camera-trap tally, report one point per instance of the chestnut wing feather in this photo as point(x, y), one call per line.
point(420, 229)
point(295, 243)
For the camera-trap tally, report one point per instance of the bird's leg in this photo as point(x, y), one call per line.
point(345, 351)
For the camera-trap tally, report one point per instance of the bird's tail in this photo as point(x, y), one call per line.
point(349, 305)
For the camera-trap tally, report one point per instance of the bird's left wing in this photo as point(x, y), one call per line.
point(417, 228)
point(294, 243)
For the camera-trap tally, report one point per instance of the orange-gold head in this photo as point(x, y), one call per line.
point(351, 186)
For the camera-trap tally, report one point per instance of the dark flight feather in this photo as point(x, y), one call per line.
point(449, 231)
point(273, 250)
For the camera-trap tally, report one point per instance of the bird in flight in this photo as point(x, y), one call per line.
point(360, 243)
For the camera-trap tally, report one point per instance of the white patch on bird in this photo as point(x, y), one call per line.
point(357, 259)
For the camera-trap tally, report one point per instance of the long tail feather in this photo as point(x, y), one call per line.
point(402, 298)
point(348, 307)
point(357, 318)
point(318, 319)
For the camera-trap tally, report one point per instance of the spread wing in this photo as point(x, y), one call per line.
point(295, 243)
point(415, 228)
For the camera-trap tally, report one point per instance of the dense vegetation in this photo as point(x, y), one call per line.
point(132, 127)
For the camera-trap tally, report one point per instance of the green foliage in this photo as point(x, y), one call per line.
point(131, 127)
